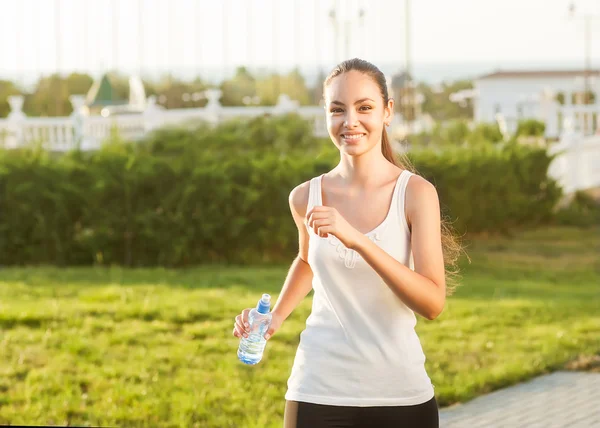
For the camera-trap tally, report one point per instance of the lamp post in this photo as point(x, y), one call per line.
point(408, 112)
point(115, 35)
point(587, 25)
point(225, 16)
point(20, 70)
point(343, 18)
point(140, 10)
point(57, 37)
point(275, 46)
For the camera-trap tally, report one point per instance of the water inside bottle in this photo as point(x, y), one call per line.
point(252, 347)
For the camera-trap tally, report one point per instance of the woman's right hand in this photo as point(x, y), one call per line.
point(241, 328)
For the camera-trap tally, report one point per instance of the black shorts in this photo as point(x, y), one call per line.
point(308, 415)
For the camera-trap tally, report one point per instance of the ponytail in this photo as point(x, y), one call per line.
point(386, 148)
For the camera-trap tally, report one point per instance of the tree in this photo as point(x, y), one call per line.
point(7, 89)
point(50, 98)
point(79, 84)
point(51, 95)
point(437, 100)
point(292, 84)
point(243, 84)
point(174, 93)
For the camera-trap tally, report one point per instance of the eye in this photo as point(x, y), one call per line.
point(335, 110)
point(365, 108)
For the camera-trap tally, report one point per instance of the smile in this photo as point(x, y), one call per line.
point(352, 137)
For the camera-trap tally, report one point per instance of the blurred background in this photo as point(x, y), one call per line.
point(460, 61)
point(148, 150)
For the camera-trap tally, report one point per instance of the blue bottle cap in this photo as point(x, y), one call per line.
point(264, 304)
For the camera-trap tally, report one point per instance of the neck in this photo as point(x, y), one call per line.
point(360, 171)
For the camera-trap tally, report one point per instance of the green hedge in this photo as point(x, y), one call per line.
point(582, 211)
point(531, 128)
point(198, 195)
point(491, 188)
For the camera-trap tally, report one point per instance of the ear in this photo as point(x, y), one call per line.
point(389, 111)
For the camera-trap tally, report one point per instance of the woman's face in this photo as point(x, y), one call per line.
point(355, 112)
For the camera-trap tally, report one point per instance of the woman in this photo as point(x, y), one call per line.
point(370, 244)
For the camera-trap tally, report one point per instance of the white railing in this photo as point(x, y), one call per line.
point(581, 118)
point(65, 133)
point(577, 166)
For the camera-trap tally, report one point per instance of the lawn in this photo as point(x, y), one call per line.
point(153, 347)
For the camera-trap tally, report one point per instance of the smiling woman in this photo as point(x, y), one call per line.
point(373, 247)
point(350, 120)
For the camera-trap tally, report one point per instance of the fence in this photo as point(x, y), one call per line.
point(577, 166)
point(88, 132)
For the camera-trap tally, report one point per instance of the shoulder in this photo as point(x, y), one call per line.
point(299, 198)
point(416, 183)
point(421, 196)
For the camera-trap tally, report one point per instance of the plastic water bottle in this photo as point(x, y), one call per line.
point(252, 347)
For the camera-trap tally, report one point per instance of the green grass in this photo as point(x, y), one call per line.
point(153, 347)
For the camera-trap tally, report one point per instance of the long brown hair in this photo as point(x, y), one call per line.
point(451, 245)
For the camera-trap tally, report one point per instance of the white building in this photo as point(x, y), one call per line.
point(553, 97)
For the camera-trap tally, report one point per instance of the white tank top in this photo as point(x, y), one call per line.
point(359, 347)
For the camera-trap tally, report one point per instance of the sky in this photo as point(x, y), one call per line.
point(214, 36)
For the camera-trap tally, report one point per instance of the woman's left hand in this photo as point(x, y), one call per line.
point(325, 220)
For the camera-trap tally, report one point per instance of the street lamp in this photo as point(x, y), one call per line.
point(587, 21)
point(345, 20)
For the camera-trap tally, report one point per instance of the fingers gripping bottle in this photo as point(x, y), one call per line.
point(252, 347)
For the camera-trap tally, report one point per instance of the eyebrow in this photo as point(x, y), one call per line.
point(357, 102)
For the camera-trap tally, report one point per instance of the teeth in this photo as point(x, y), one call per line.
point(353, 137)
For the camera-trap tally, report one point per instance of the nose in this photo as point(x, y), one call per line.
point(351, 120)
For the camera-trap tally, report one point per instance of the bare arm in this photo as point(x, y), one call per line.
point(424, 289)
point(298, 282)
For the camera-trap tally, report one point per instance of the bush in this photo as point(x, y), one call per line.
point(458, 133)
point(485, 132)
point(531, 128)
point(43, 200)
point(491, 188)
point(181, 197)
point(583, 211)
point(196, 195)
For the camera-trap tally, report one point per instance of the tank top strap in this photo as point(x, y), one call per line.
point(314, 193)
point(403, 183)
